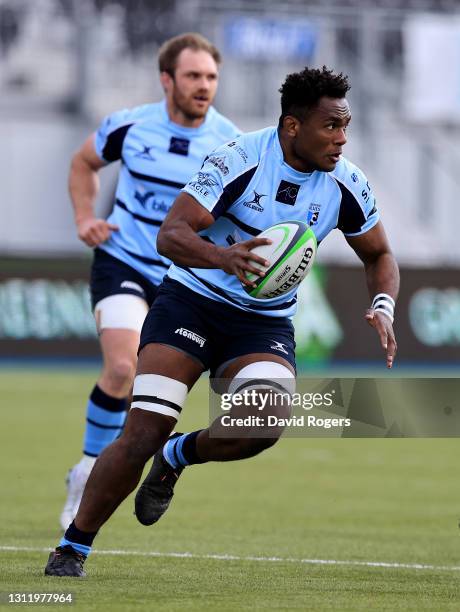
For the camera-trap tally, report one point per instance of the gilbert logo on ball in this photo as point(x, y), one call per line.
point(291, 256)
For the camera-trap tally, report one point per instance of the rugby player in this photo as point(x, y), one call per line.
point(160, 147)
point(203, 319)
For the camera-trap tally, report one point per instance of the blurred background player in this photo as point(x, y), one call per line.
point(160, 146)
point(226, 331)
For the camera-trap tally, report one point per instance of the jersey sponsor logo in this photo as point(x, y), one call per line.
point(156, 205)
point(204, 180)
point(130, 285)
point(179, 146)
point(241, 152)
point(354, 177)
point(279, 346)
point(313, 214)
point(145, 154)
point(143, 198)
point(287, 193)
point(190, 335)
point(218, 162)
point(255, 202)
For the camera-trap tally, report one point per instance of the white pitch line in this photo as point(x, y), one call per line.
point(186, 555)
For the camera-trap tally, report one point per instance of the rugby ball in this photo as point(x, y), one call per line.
point(291, 255)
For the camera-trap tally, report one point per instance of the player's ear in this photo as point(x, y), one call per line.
point(291, 125)
point(166, 80)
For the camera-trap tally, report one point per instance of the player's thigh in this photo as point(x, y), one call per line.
point(263, 384)
point(120, 311)
point(172, 356)
point(119, 320)
point(119, 346)
point(174, 341)
point(169, 362)
point(236, 365)
point(164, 377)
point(266, 374)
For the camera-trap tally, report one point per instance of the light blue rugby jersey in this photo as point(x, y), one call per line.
point(157, 158)
point(248, 187)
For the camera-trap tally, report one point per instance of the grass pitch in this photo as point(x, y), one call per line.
point(255, 530)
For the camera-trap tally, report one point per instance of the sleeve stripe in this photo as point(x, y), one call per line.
point(351, 215)
point(114, 143)
point(232, 191)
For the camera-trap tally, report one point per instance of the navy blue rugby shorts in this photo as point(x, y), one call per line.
point(111, 276)
point(211, 331)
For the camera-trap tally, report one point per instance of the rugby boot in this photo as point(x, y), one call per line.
point(155, 493)
point(65, 561)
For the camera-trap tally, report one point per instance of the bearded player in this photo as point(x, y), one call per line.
point(160, 146)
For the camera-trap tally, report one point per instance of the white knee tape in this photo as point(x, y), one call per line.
point(264, 375)
point(121, 311)
point(160, 394)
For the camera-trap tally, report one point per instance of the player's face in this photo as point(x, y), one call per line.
point(320, 137)
point(194, 85)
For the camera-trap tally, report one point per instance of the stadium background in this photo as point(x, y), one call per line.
point(66, 63)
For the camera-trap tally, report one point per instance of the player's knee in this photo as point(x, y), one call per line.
point(138, 446)
point(120, 373)
point(264, 391)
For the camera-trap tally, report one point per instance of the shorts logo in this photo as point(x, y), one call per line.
point(218, 162)
point(313, 214)
point(190, 335)
point(287, 193)
point(255, 202)
point(130, 285)
point(279, 346)
point(179, 145)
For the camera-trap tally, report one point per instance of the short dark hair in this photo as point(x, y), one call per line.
point(301, 91)
point(170, 50)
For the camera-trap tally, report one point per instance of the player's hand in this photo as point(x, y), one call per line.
point(95, 231)
point(237, 259)
point(384, 327)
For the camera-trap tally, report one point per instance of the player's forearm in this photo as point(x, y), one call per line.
point(182, 245)
point(382, 275)
point(83, 189)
